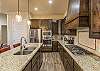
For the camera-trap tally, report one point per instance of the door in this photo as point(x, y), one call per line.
point(4, 33)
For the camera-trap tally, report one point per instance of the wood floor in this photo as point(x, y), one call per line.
point(51, 62)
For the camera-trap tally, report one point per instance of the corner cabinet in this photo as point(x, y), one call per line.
point(94, 9)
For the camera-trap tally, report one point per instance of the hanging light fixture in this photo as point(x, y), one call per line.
point(18, 16)
point(28, 21)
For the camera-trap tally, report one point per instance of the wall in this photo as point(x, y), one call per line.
point(17, 30)
point(3, 21)
point(83, 39)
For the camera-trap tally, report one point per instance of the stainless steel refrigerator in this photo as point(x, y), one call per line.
point(35, 36)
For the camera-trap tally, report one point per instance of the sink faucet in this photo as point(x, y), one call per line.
point(21, 48)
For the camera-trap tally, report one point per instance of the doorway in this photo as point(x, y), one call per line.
point(4, 33)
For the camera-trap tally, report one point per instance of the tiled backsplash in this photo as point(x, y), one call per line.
point(84, 40)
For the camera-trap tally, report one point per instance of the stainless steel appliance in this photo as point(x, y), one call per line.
point(35, 35)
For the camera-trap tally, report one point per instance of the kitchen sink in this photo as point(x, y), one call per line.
point(30, 49)
point(23, 53)
point(26, 51)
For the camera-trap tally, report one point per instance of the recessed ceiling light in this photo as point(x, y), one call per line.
point(50, 2)
point(35, 9)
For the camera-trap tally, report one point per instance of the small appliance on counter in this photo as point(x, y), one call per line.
point(69, 40)
point(35, 36)
point(47, 38)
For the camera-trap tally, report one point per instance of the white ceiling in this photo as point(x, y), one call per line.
point(58, 6)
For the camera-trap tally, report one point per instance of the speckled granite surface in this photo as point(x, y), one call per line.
point(86, 62)
point(10, 62)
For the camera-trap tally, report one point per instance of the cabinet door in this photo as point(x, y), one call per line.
point(94, 19)
point(40, 57)
point(77, 67)
point(35, 66)
point(28, 67)
point(35, 23)
point(35, 62)
point(55, 46)
point(54, 28)
point(61, 52)
point(84, 7)
point(68, 61)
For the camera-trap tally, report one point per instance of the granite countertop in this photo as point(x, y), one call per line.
point(10, 62)
point(86, 62)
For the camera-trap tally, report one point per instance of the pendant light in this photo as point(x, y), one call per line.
point(28, 21)
point(18, 16)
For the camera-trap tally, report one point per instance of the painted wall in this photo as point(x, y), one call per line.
point(3, 21)
point(83, 39)
point(17, 30)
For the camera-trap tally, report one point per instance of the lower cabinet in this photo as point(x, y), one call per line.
point(54, 46)
point(68, 62)
point(35, 63)
point(28, 67)
point(60, 49)
point(77, 67)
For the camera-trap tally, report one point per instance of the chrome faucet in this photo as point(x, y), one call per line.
point(21, 48)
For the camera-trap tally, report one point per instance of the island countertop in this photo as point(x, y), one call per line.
point(86, 62)
point(11, 62)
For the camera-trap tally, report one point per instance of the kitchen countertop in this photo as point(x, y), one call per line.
point(10, 62)
point(86, 62)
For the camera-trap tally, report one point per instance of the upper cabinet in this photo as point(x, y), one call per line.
point(78, 14)
point(44, 24)
point(55, 28)
point(35, 23)
point(94, 9)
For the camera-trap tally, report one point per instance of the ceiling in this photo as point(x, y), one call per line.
point(56, 8)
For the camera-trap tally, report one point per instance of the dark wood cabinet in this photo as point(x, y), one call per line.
point(63, 31)
point(35, 63)
point(78, 14)
point(84, 8)
point(94, 15)
point(35, 23)
point(28, 67)
point(60, 48)
point(46, 49)
point(77, 67)
point(55, 28)
point(68, 62)
point(71, 32)
point(54, 46)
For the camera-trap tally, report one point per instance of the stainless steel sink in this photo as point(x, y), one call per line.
point(30, 49)
point(26, 51)
point(23, 53)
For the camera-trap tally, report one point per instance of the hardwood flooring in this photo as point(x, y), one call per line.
point(51, 62)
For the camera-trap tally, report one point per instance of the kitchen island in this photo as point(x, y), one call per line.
point(11, 62)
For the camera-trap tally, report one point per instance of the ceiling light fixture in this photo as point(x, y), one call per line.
point(50, 1)
point(35, 9)
point(18, 16)
point(28, 21)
